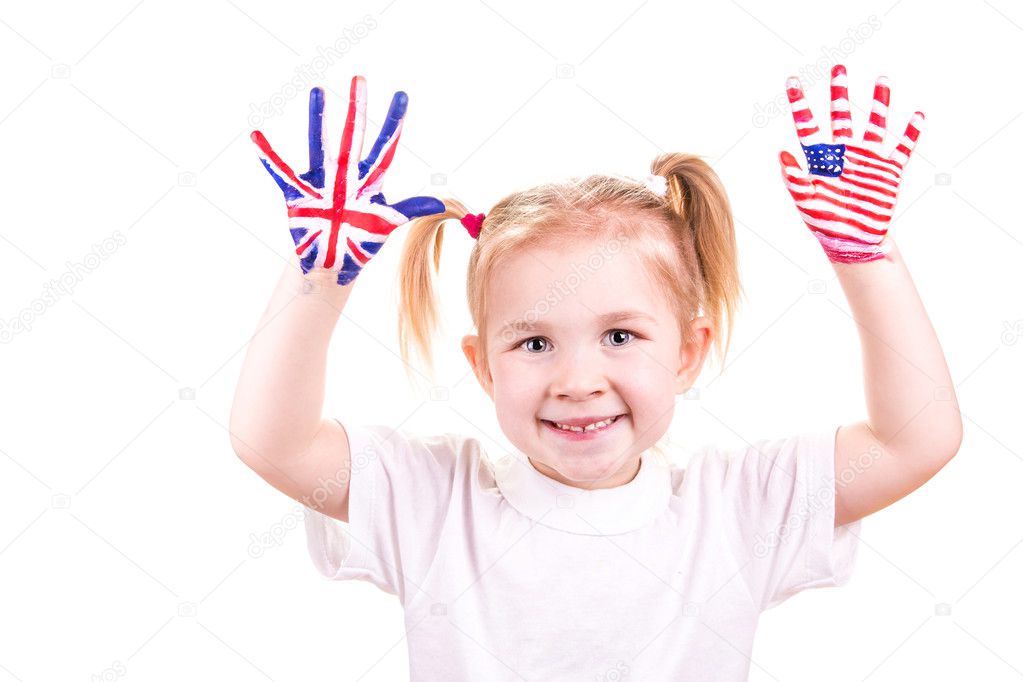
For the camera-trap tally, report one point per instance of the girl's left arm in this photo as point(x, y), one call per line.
point(913, 425)
point(846, 197)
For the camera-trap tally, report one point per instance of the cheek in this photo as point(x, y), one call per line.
point(516, 384)
point(649, 383)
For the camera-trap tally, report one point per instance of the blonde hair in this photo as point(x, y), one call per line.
point(698, 273)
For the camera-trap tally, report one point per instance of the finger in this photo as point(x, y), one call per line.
point(841, 120)
point(877, 125)
point(292, 186)
point(351, 140)
point(415, 207)
point(902, 152)
point(796, 180)
point(807, 130)
point(314, 176)
point(372, 169)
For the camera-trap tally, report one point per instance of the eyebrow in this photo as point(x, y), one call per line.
point(603, 320)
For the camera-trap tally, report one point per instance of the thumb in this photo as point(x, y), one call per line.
point(416, 207)
point(796, 180)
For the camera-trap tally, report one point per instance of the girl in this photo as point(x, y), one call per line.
point(585, 555)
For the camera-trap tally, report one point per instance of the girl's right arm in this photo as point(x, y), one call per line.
point(277, 428)
point(338, 219)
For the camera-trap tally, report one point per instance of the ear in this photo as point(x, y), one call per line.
point(472, 351)
point(693, 354)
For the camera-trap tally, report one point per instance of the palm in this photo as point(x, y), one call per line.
point(848, 195)
point(337, 215)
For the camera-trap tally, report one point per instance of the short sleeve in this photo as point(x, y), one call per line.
point(400, 491)
point(782, 495)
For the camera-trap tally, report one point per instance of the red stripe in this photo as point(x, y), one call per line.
point(309, 212)
point(871, 136)
point(870, 176)
point(796, 180)
point(866, 164)
point(795, 94)
point(370, 222)
point(802, 115)
point(872, 188)
point(344, 154)
point(853, 195)
point(853, 208)
point(383, 165)
point(265, 147)
point(877, 119)
point(838, 235)
point(839, 92)
point(912, 132)
point(328, 260)
point(882, 94)
point(301, 248)
point(808, 131)
point(863, 151)
point(904, 149)
point(356, 252)
point(853, 257)
point(828, 215)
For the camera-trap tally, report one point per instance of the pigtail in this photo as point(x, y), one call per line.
point(417, 308)
point(695, 194)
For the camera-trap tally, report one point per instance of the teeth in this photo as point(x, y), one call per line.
point(588, 427)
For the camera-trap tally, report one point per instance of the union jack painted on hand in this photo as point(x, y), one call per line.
point(849, 194)
point(340, 226)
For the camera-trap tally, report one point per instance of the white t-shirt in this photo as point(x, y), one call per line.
point(506, 574)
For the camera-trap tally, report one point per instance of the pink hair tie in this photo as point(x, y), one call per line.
point(473, 223)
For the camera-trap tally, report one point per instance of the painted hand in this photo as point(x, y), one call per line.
point(336, 212)
point(849, 194)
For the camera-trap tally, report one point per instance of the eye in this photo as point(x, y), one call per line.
point(620, 337)
point(532, 339)
point(620, 332)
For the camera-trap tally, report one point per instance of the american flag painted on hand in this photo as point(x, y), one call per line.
point(848, 193)
point(337, 214)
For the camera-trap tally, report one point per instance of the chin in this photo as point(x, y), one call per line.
point(587, 468)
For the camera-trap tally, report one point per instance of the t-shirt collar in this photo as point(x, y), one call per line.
point(605, 511)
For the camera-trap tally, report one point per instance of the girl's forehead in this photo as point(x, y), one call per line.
point(576, 282)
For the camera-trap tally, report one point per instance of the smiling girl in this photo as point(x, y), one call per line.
point(582, 554)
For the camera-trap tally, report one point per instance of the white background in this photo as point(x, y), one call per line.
point(127, 524)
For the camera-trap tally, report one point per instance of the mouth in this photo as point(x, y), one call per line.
point(587, 432)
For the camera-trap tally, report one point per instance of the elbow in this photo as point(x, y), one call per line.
point(944, 446)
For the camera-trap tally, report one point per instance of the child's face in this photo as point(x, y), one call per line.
point(573, 365)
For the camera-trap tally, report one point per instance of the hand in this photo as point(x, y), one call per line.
point(848, 197)
point(350, 214)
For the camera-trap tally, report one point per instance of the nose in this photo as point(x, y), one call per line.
point(578, 375)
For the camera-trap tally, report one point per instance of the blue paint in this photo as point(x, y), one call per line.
point(825, 159)
point(290, 192)
point(399, 105)
point(349, 271)
point(315, 175)
point(415, 207)
point(371, 247)
point(309, 259)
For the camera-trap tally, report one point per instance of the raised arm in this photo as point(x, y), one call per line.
point(338, 220)
point(913, 425)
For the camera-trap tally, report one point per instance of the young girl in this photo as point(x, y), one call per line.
point(595, 302)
